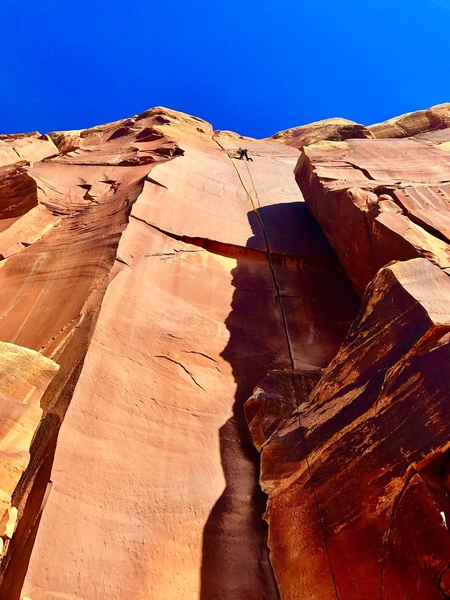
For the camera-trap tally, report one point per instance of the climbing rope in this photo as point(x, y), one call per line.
point(289, 348)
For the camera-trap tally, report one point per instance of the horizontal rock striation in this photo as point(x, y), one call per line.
point(415, 123)
point(337, 129)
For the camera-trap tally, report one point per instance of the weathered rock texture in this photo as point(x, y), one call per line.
point(355, 461)
point(380, 200)
point(25, 376)
point(337, 129)
point(164, 278)
point(415, 123)
point(356, 469)
point(150, 280)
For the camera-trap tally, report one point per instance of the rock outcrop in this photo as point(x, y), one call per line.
point(165, 278)
point(150, 280)
point(335, 129)
point(356, 469)
point(355, 461)
point(415, 123)
point(380, 200)
point(25, 377)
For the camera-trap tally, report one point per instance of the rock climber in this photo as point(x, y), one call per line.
point(243, 154)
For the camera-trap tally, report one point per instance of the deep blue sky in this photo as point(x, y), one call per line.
point(255, 67)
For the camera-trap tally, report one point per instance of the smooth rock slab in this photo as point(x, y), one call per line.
point(141, 468)
point(155, 489)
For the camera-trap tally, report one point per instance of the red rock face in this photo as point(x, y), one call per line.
point(355, 461)
point(151, 279)
point(164, 278)
point(356, 469)
point(380, 200)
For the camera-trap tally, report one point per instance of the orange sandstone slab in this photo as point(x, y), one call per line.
point(59, 230)
point(141, 466)
point(155, 480)
point(60, 223)
point(25, 148)
point(210, 193)
point(24, 377)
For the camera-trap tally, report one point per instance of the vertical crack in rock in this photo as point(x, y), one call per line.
point(375, 428)
point(383, 396)
point(158, 452)
point(267, 249)
point(256, 208)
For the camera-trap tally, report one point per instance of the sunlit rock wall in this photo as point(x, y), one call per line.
point(355, 461)
point(164, 277)
point(150, 280)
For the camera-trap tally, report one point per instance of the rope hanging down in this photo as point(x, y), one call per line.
point(289, 348)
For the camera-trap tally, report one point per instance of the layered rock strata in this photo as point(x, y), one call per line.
point(337, 129)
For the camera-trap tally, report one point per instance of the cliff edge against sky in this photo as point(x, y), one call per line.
point(153, 284)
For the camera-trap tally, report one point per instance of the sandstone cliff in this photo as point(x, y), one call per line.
point(150, 281)
point(355, 461)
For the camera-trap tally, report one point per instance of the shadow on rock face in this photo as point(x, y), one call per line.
point(235, 555)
